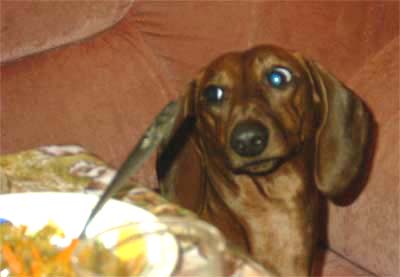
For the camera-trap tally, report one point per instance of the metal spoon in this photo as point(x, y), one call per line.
point(159, 129)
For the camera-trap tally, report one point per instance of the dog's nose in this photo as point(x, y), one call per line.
point(249, 138)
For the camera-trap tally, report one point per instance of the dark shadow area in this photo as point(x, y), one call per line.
point(174, 146)
point(322, 244)
point(319, 259)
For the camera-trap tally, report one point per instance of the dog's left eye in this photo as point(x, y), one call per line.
point(213, 94)
point(279, 76)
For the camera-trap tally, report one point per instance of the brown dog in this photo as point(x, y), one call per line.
point(266, 133)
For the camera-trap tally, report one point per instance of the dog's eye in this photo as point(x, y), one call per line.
point(279, 76)
point(213, 94)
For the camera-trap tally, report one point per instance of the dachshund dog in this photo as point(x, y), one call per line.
point(263, 135)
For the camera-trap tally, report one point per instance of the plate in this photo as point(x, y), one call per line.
point(69, 211)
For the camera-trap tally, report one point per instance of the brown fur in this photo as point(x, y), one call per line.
point(267, 204)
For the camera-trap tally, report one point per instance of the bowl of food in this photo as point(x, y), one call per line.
point(39, 231)
point(201, 249)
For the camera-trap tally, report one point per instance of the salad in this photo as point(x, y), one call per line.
point(38, 255)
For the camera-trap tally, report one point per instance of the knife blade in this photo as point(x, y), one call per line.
point(159, 129)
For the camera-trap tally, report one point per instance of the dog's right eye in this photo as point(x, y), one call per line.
point(278, 77)
point(213, 94)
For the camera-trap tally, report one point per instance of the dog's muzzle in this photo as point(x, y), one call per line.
point(249, 138)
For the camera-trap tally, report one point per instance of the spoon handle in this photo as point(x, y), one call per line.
point(159, 129)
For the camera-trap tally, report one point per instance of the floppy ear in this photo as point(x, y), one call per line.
point(168, 147)
point(187, 100)
point(342, 136)
point(186, 111)
point(179, 166)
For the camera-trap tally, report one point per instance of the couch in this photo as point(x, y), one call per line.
point(94, 73)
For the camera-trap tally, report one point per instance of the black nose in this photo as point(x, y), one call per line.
point(249, 138)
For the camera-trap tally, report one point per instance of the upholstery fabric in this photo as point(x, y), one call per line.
point(368, 229)
point(102, 92)
point(28, 27)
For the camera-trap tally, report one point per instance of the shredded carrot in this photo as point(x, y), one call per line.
point(36, 267)
point(13, 261)
point(35, 253)
point(65, 255)
point(34, 256)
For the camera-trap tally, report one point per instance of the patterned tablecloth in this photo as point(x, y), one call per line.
point(70, 168)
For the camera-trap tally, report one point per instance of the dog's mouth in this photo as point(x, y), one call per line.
point(263, 165)
point(259, 166)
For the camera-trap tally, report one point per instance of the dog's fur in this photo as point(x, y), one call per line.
point(267, 203)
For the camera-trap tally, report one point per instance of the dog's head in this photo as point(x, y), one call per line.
point(256, 109)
